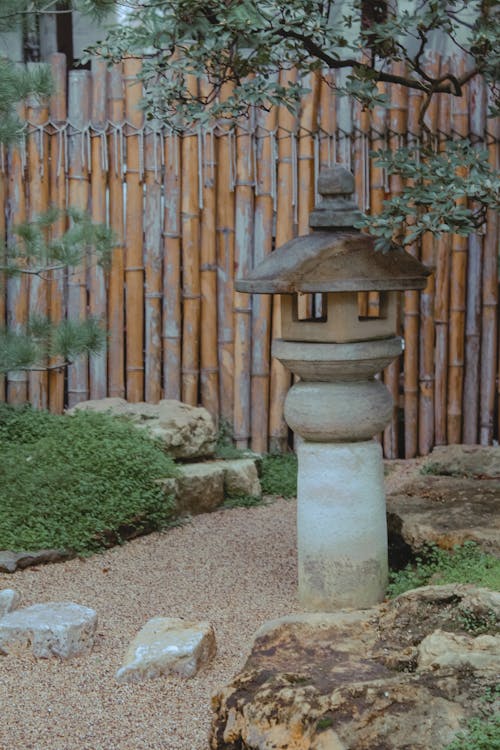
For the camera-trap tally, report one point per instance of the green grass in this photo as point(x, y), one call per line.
point(80, 483)
point(279, 475)
point(481, 734)
point(466, 564)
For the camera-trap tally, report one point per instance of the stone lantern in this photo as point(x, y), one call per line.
point(338, 406)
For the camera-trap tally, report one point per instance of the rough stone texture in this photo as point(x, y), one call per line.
point(188, 432)
point(168, 644)
point(200, 488)
point(12, 561)
point(404, 674)
point(241, 477)
point(9, 599)
point(446, 511)
point(473, 460)
point(61, 629)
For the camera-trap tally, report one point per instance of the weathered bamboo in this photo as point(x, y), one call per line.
point(442, 300)
point(327, 121)
point(191, 289)
point(426, 333)
point(172, 303)
point(116, 296)
point(38, 202)
point(3, 278)
point(57, 290)
point(153, 255)
point(477, 98)
point(225, 268)
point(377, 181)
point(209, 377)
point(98, 178)
point(411, 317)
point(280, 378)
point(457, 295)
point(261, 304)
point(78, 192)
point(134, 260)
point(489, 325)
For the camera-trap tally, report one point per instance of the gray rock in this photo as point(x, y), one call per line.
point(168, 644)
point(200, 487)
point(405, 673)
point(60, 629)
point(135, 411)
point(9, 599)
point(471, 460)
point(241, 477)
point(187, 431)
point(12, 561)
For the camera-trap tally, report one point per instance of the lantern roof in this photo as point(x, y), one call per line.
point(335, 257)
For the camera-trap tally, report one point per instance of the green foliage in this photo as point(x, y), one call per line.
point(77, 482)
point(466, 564)
point(243, 501)
point(279, 475)
point(225, 447)
point(482, 734)
point(17, 83)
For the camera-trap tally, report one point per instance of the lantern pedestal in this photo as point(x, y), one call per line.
point(341, 524)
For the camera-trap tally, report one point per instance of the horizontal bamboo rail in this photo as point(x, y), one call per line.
point(191, 213)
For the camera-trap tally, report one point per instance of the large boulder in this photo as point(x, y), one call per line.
point(479, 461)
point(61, 629)
point(407, 673)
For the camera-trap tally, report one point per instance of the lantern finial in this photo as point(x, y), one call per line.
point(336, 209)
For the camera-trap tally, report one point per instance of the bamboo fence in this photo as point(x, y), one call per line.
point(191, 213)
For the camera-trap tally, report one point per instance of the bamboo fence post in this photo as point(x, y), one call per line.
point(285, 230)
point(427, 331)
point(243, 246)
point(172, 283)
point(134, 261)
point(38, 202)
point(78, 189)
point(191, 280)
point(489, 328)
point(57, 139)
point(261, 303)
point(3, 278)
point(225, 264)
point(116, 290)
point(325, 142)
point(209, 376)
point(17, 286)
point(477, 99)
point(412, 314)
point(442, 299)
point(458, 262)
point(98, 179)
point(378, 186)
point(153, 256)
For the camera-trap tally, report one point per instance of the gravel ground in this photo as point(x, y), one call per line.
point(235, 568)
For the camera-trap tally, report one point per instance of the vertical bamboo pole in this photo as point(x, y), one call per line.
point(427, 332)
point(412, 315)
point(489, 328)
point(209, 381)
point(57, 302)
point(398, 123)
point(477, 104)
point(261, 303)
point(3, 279)
point(280, 378)
point(153, 255)
point(172, 283)
point(116, 292)
point(17, 286)
point(243, 245)
point(225, 263)
point(378, 138)
point(98, 178)
point(191, 281)
point(38, 192)
point(460, 125)
point(327, 120)
point(78, 188)
point(134, 263)
point(442, 300)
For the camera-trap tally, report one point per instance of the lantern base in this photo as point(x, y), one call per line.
point(341, 523)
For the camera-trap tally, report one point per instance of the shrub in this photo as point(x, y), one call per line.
point(279, 475)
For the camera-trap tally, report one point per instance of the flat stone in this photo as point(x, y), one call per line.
point(168, 644)
point(241, 477)
point(60, 629)
point(9, 599)
point(200, 487)
point(353, 680)
point(11, 561)
point(445, 511)
point(470, 460)
point(119, 407)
